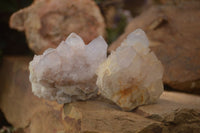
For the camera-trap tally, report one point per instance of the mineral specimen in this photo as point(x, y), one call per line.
point(132, 75)
point(47, 22)
point(67, 73)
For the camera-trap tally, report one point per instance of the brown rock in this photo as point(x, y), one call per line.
point(48, 22)
point(101, 117)
point(21, 108)
point(180, 121)
point(174, 34)
point(168, 103)
point(177, 112)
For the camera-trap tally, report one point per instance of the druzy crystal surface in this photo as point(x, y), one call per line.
point(67, 73)
point(131, 75)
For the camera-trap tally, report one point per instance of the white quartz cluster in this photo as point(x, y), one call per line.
point(132, 75)
point(67, 73)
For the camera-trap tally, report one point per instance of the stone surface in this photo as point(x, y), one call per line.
point(47, 22)
point(177, 112)
point(101, 117)
point(180, 121)
point(30, 114)
point(21, 108)
point(67, 73)
point(168, 103)
point(173, 33)
point(132, 75)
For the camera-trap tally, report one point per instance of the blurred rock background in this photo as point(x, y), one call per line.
point(173, 29)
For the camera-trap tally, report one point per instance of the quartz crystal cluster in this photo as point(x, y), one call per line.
point(67, 73)
point(132, 75)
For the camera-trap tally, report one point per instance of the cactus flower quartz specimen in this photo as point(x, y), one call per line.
point(132, 75)
point(67, 73)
